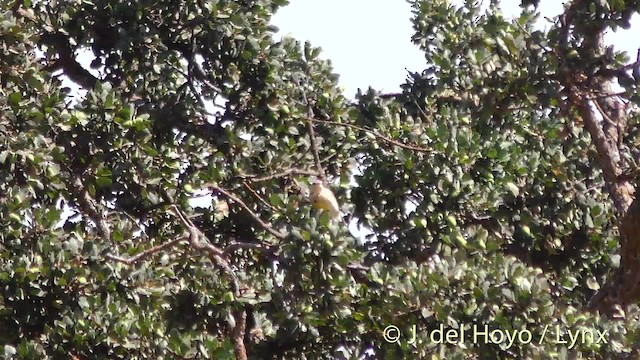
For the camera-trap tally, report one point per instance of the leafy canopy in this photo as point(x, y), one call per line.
point(481, 195)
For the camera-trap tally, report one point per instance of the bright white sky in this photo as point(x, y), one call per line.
point(369, 41)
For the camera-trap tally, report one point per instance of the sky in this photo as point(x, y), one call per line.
point(369, 41)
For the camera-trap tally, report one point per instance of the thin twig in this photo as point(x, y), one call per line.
point(312, 134)
point(253, 215)
point(329, 157)
point(244, 183)
point(381, 137)
point(616, 124)
point(235, 246)
point(604, 115)
point(594, 187)
point(143, 255)
point(422, 112)
point(135, 222)
point(603, 96)
point(285, 173)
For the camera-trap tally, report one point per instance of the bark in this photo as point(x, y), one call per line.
point(237, 335)
point(605, 119)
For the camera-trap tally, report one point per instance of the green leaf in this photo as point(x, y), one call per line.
point(15, 98)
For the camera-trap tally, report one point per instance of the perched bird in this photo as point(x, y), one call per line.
point(322, 198)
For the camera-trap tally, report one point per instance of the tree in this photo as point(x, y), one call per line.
point(496, 188)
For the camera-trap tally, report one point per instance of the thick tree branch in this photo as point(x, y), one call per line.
point(605, 138)
point(198, 241)
point(67, 61)
point(89, 206)
point(189, 54)
point(608, 156)
point(237, 334)
point(623, 287)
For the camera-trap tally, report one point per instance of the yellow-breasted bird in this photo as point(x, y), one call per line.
point(322, 198)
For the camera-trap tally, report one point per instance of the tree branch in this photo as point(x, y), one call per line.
point(622, 287)
point(253, 215)
point(237, 334)
point(255, 194)
point(198, 241)
point(89, 206)
point(312, 134)
point(288, 172)
point(234, 246)
point(608, 153)
point(67, 60)
point(381, 137)
point(145, 254)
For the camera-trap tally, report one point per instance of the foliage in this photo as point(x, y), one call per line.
point(482, 197)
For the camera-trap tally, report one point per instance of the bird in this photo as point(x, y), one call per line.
point(322, 198)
